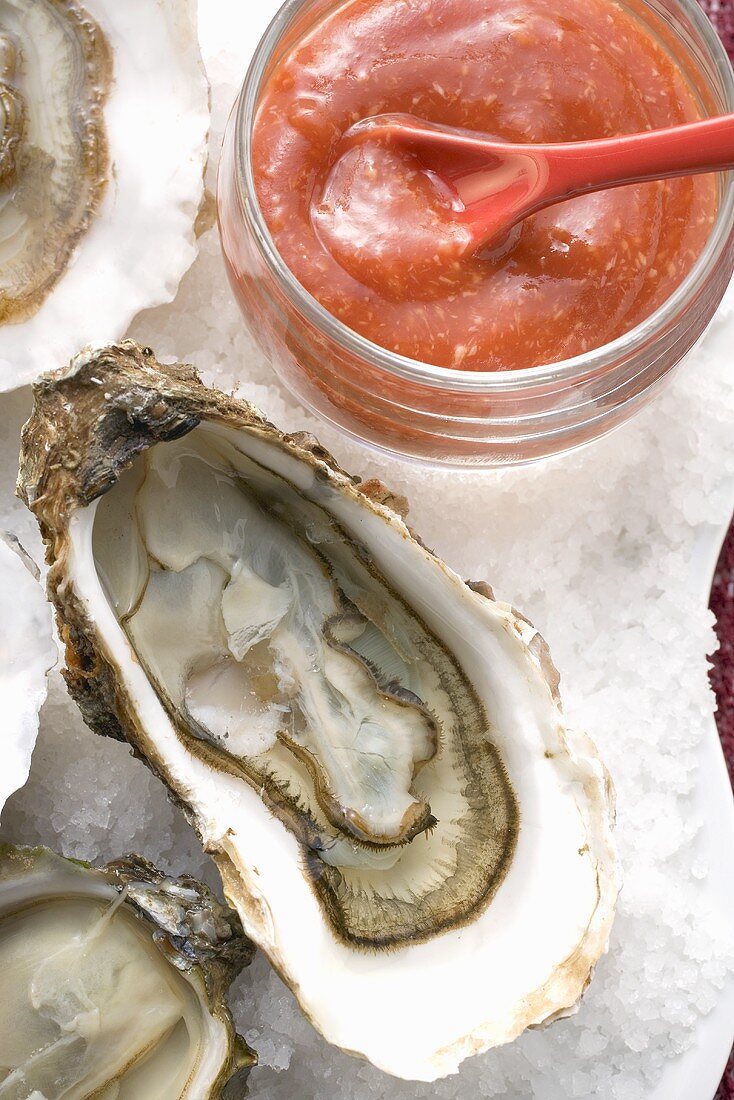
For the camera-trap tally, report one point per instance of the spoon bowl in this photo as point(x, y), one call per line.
point(496, 184)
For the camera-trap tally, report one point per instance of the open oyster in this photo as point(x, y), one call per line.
point(103, 121)
point(373, 751)
point(27, 652)
point(112, 983)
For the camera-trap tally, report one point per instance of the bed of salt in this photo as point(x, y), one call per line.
point(597, 549)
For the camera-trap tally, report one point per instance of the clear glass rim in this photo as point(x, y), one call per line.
point(561, 374)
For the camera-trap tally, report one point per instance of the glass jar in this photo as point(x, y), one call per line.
point(454, 417)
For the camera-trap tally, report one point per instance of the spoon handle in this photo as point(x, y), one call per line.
point(704, 146)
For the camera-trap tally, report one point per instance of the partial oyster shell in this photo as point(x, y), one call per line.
point(27, 653)
point(103, 119)
point(373, 751)
point(112, 982)
point(56, 72)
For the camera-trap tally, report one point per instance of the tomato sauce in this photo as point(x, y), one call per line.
point(566, 280)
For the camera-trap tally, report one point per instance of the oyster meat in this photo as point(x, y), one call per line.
point(373, 751)
point(27, 653)
point(112, 983)
point(103, 122)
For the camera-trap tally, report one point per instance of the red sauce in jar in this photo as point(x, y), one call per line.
point(569, 278)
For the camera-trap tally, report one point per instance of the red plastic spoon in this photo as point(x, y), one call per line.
point(498, 183)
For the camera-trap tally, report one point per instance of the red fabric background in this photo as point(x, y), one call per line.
point(721, 13)
point(722, 679)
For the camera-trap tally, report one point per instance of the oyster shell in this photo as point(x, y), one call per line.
point(103, 120)
point(27, 653)
point(112, 983)
point(56, 72)
point(373, 751)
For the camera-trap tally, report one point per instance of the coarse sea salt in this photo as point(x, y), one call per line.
point(598, 549)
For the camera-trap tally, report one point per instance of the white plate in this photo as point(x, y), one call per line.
point(233, 28)
point(697, 1073)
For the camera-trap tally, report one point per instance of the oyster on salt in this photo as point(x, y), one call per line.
point(112, 983)
point(27, 653)
point(103, 122)
point(373, 751)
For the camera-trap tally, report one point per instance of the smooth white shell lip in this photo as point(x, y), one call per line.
point(27, 653)
point(418, 1011)
point(141, 242)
